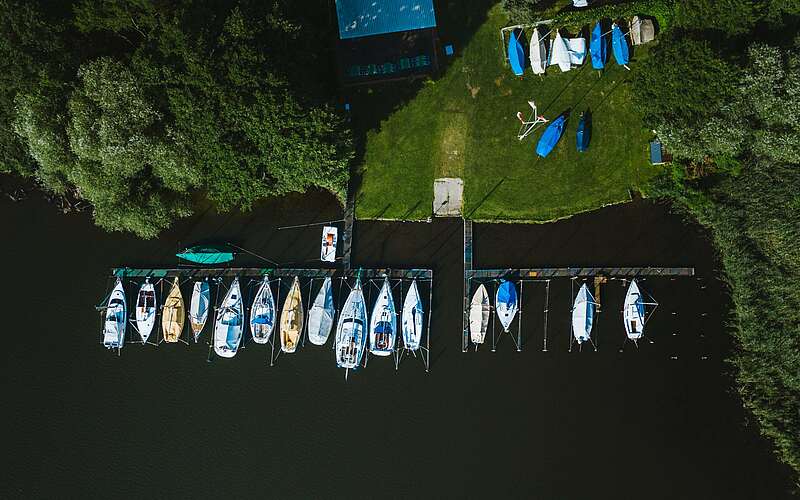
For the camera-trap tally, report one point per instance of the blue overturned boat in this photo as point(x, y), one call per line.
point(619, 45)
point(505, 302)
point(584, 132)
point(598, 47)
point(516, 53)
point(551, 136)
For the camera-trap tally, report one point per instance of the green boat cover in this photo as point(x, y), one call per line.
point(207, 255)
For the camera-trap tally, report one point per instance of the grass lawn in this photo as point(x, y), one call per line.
point(464, 125)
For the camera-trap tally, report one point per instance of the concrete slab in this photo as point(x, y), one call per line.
point(448, 197)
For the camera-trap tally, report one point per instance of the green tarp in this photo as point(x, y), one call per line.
point(206, 255)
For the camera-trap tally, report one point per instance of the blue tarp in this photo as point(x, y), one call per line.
point(516, 53)
point(551, 136)
point(507, 294)
point(620, 45)
point(359, 18)
point(598, 48)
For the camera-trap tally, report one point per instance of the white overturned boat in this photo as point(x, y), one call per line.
point(412, 318)
point(560, 54)
point(228, 327)
point(583, 311)
point(320, 317)
point(146, 310)
point(506, 304)
point(115, 318)
point(479, 310)
point(262, 313)
point(538, 53)
point(198, 307)
point(383, 324)
point(351, 330)
point(329, 237)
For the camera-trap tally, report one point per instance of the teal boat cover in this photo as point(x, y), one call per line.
point(207, 254)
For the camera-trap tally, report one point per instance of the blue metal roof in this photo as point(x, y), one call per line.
point(359, 18)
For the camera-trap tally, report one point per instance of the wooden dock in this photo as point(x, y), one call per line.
point(254, 272)
point(347, 232)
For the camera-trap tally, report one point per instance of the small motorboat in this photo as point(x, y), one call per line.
point(412, 318)
point(383, 323)
point(516, 53)
point(329, 239)
point(584, 134)
point(633, 312)
point(262, 313)
point(538, 53)
point(116, 319)
point(146, 310)
point(351, 330)
point(479, 310)
point(173, 314)
point(506, 304)
point(598, 47)
point(229, 322)
point(207, 255)
point(292, 318)
point(552, 134)
point(198, 307)
point(620, 46)
point(583, 311)
point(320, 317)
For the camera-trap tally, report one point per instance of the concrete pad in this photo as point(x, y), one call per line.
point(448, 197)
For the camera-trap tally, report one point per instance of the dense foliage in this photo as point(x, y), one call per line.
point(136, 105)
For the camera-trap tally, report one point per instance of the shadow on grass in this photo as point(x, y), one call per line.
point(485, 197)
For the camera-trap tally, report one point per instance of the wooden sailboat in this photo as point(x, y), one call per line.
point(146, 310)
point(292, 318)
point(173, 315)
point(198, 307)
point(479, 309)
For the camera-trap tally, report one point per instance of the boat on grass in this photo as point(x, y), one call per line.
point(146, 310)
point(537, 53)
point(412, 318)
point(173, 314)
point(198, 307)
point(262, 313)
point(552, 134)
point(229, 322)
point(598, 47)
point(351, 330)
point(619, 46)
point(291, 326)
point(479, 310)
point(516, 53)
point(116, 319)
point(320, 317)
point(383, 324)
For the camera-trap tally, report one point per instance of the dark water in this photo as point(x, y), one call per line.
point(77, 421)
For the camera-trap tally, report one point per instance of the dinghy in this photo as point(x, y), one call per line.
point(351, 331)
point(383, 324)
point(505, 303)
point(552, 134)
point(229, 322)
point(620, 46)
point(262, 313)
point(598, 47)
point(173, 314)
point(584, 133)
point(207, 255)
point(559, 54)
point(146, 310)
point(329, 238)
point(292, 318)
point(538, 53)
point(198, 307)
point(412, 318)
point(479, 315)
point(583, 310)
point(516, 53)
point(116, 318)
point(320, 317)
point(633, 312)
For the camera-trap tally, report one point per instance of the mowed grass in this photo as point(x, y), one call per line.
point(464, 125)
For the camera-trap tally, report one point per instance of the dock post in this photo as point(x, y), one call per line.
point(467, 270)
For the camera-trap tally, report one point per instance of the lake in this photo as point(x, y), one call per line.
point(657, 422)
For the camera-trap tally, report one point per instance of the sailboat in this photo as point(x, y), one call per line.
point(262, 313)
point(198, 307)
point(412, 318)
point(583, 311)
point(634, 312)
point(207, 255)
point(229, 320)
point(538, 53)
point(479, 315)
point(320, 317)
point(173, 314)
point(292, 318)
point(383, 324)
point(505, 303)
point(115, 318)
point(146, 310)
point(351, 330)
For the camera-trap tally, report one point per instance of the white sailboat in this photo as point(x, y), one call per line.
point(146, 310)
point(538, 53)
point(479, 310)
point(262, 313)
point(351, 330)
point(198, 307)
point(320, 317)
point(412, 318)
point(116, 318)
point(228, 327)
point(583, 312)
point(634, 312)
point(559, 54)
point(506, 303)
point(383, 324)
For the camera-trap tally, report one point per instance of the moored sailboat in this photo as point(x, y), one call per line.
point(262, 313)
point(229, 323)
point(198, 307)
point(383, 324)
point(115, 319)
point(291, 326)
point(583, 312)
point(146, 310)
point(412, 318)
point(479, 310)
point(173, 314)
point(320, 317)
point(505, 303)
point(351, 330)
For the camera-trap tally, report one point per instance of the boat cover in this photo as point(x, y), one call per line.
point(583, 315)
point(620, 45)
point(207, 255)
point(577, 50)
point(598, 47)
point(538, 53)
point(559, 54)
point(551, 136)
point(506, 303)
point(584, 134)
point(516, 53)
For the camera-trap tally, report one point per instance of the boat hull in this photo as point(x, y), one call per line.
point(115, 322)
point(291, 325)
point(228, 323)
point(146, 310)
point(320, 317)
point(262, 313)
point(479, 311)
point(173, 314)
point(383, 323)
point(412, 318)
